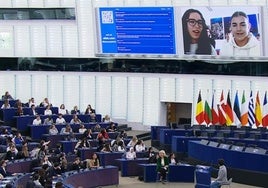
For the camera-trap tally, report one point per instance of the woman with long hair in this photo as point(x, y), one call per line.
point(195, 37)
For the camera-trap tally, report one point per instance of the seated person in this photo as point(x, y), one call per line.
point(75, 120)
point(12, 152)
point(18, 103)
point(75, 110)
point(87, 134)
point(45, 160)
point(133, 141)
point(53, 129)
point(48, 121)
point(62, 110)
point(77, 164)
point(45, 103)
point(172, 159)
point(83, 143)
point(6, 104)
point(56, 170)
point(102, 136)
point(82, 128)
point(48, 111)
point(222, 175)
point(106, 148)
point(107, 119)
point(94, 162)
point(90, 111)
point(140, 146)
point(111, 127)
point(37, 120)
point(122, 134)
point(66, 130)
point(20, 111)
point(31, 102)
point(7, 96)
point(121, 146)
point(151, 155)
point(131, 154)
point(97, 128)
point(18, 139)
point(60, 119)
point(24, 153)
point(33, 111)
point(3, 171)
point(162, 165)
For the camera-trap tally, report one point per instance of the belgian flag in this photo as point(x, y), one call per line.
point(199, 110)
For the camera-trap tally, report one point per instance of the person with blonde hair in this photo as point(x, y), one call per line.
point(162, 165)
point(133, 141)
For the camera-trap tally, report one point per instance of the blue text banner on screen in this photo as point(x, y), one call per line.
point(146, 30)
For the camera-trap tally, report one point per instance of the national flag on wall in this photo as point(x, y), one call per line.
point(258, 113)
point(229, 111)
point(214, 111)
point(221, 110)
point(251, 115)
point(265, 111)
point(199, 110)
point(207, 113)
point(244, 111)
point(237, 110)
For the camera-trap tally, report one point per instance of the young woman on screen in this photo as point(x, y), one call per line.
point(195, 36)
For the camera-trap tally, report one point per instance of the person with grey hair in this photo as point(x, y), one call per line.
point(242, 42)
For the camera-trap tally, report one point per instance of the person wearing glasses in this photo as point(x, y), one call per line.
point(195, 36)
point(242, 42)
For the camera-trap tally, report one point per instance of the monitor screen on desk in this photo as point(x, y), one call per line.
point(225, 146)
point(213, 144)
point(255, 150)
point(205, 142)
point(237, 148)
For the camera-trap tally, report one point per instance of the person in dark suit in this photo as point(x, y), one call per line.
point(32, 112)
point(3, 171)
point(75, 110)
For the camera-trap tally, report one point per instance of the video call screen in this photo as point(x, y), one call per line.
point(222, 32)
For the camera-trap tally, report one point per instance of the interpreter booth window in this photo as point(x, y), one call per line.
point(37, 14)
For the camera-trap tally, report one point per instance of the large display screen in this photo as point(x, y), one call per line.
point(221, 31)
point(147, 30)
point(201, 32)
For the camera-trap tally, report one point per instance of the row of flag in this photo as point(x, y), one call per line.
point(224, 113)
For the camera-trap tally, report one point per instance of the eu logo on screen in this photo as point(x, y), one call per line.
point(146, 30)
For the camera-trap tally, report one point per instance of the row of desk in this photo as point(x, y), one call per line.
point(55, 139)
point(7, 114)
point(180, 143)
point(233, 159)
point(243, 166)
point(167, 134)
point(22, 122)
point(37, 131)
point(107, 176)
